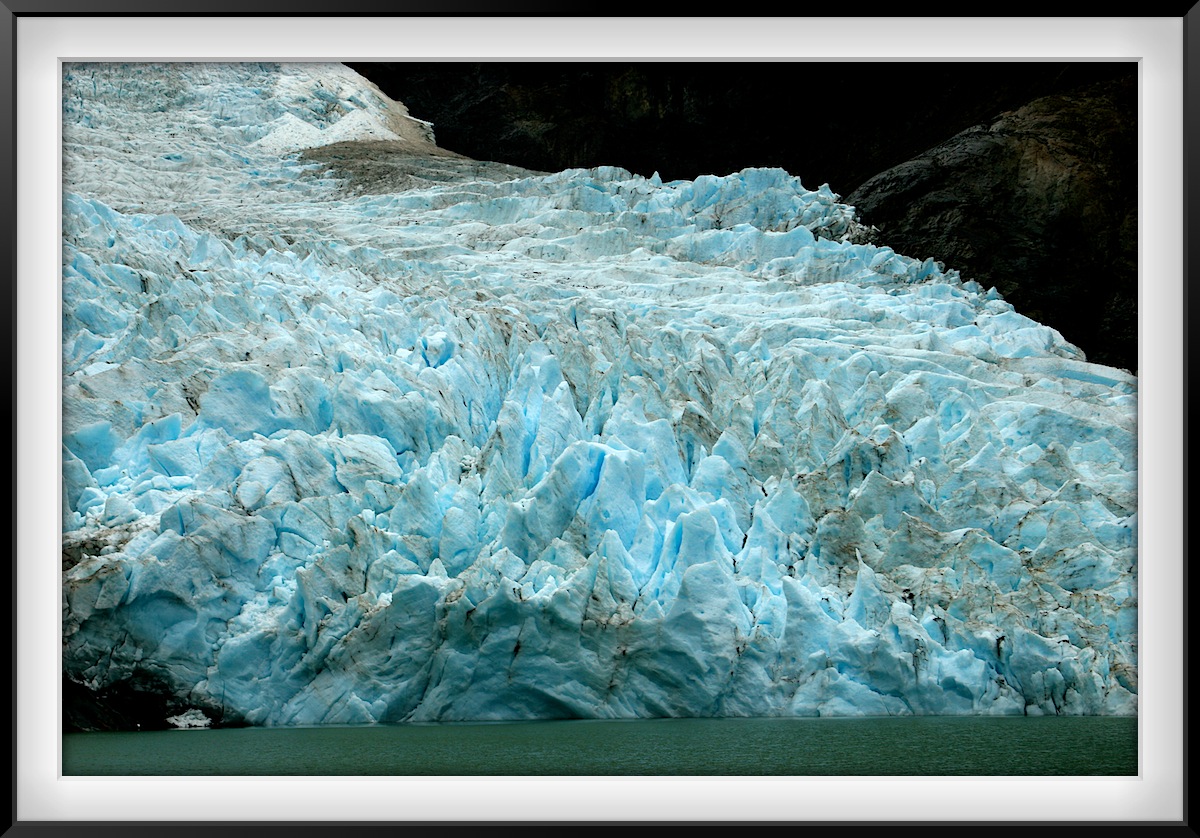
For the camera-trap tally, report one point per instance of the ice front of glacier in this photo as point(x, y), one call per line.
point(582, 445)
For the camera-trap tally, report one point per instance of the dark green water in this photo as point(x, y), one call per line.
point(931, 746)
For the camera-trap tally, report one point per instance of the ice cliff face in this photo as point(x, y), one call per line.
point(577, 445)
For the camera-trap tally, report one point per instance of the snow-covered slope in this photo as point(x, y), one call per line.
point(584, 444)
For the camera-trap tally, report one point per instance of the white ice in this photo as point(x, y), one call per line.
point(577, 445)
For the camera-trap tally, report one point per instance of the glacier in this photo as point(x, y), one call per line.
point(515, 445)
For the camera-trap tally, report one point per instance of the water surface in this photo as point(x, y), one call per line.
point(915, 745)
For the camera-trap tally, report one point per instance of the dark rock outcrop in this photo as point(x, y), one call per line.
point(1040, 202)
point(825, 122)
point(380, 167)
point(141, 702)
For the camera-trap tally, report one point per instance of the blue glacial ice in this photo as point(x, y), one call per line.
point(584, 444)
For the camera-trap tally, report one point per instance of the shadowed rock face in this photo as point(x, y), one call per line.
point(825, 122)
point(143, 701)
point(1041, 203)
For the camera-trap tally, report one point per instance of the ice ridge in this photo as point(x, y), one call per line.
point(578, 445)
